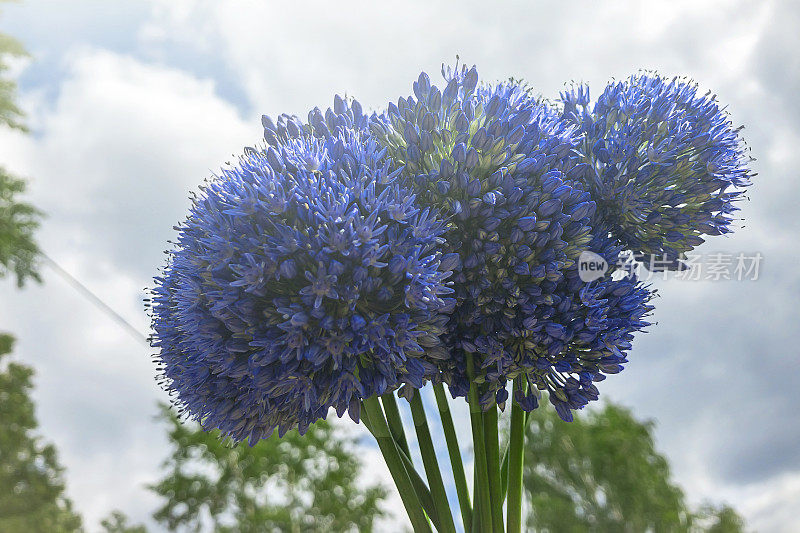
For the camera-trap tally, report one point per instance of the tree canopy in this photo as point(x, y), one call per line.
point(117, 522)
point(31, 480)
point(18, 219)
point(10, 114)
point(294, 483)
point(602, 473)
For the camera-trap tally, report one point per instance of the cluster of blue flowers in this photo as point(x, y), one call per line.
point(664, 163)
point(587, 329)
point(305, 277)
point(504, 170)
point(353, 255)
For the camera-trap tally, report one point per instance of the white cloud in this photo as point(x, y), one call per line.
point(116, 155)
point(290, 57)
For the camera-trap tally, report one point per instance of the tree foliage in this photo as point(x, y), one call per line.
point(10, 113)
point(602, 473)
point(295, 483)
point(31, 485)
point(117, 522)
point(18, 220)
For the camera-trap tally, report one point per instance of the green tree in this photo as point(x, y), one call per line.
point(118, 523)
point(602, 473)
point(18, 220)
point(295, 483)
point(31, 485)
point(10, 113)
point(32, 496)
point(718, 519)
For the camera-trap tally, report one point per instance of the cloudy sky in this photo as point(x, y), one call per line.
point(132, 104)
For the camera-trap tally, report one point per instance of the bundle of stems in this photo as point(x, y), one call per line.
point(497, 480)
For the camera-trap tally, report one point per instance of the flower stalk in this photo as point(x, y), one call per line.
point(431, 464)
point(515, 463)
point(395, 422)
point(481, 512)
point(454, 451)
point(394, 462)
point(424, 494)
point(490, 433)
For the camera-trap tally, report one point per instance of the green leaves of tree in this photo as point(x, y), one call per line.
point(18, 220)
point(10, 113)
point(31, 483)
point(602, 473)
point(296, 483)
point(118, 523)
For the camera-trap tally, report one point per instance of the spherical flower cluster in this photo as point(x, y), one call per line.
point(354, 255)
point(664, 163)
point(500, 168)
point(304, 278)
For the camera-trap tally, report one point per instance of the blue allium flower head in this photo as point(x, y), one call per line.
point(664, 163)
point(584, 332)
point(500, 168)
point(305, 277)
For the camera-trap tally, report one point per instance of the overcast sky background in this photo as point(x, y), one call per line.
point(132, 104)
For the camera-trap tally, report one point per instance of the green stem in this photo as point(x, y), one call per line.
point(395, 422)
point(395, 463)
point(490, 433)
point(504, 474)
point(420, 487)
point(504, 466)
point(481, 516)
point(425, 496)
point(515, 462)
point(432, 471)
point(476, 509)
point(455, 456)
